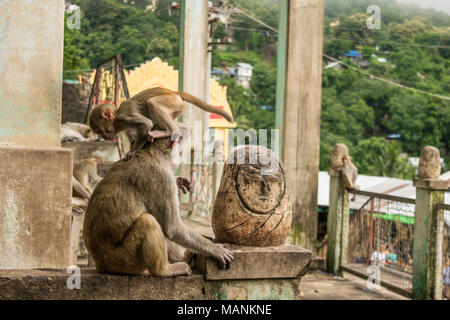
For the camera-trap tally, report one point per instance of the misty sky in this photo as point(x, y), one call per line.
point(443, 5)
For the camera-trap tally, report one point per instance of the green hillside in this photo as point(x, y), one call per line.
point(412, 48)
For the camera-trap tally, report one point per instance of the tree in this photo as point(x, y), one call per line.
point(389, 163)
point(73, 63)
point(376, 156)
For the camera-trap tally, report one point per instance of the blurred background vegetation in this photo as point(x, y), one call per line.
point(382, 124)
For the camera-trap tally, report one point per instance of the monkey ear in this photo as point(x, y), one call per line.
point(108, 114)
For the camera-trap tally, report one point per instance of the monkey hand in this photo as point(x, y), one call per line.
point(129, 155)
point(183, 184)
point(223, 255)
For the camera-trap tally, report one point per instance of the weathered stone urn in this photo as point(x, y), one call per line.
point(252, 205)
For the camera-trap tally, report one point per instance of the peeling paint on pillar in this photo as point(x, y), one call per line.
point(31, 56)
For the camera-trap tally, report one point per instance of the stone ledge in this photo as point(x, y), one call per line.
point(285, 261)
point(51, 284)
point(103, 150)
point(431, 184)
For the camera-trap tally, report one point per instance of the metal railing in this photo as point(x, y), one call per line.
point(381, 233)
point(446, 251)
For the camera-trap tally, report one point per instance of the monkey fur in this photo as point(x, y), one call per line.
point(349, 174)
point(73, 131)
point(85, 171)
point(149, 109)
point(132, 212)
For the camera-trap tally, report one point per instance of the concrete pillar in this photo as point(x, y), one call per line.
point(301, 142)
point(31, 57)
point(35, 175)
point(283, 32)
point(194, 79)
point(194, 57)
point(428, 239)
point(337, 224)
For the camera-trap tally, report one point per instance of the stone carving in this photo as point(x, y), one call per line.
point(341, 162)
point(252, 206)
point(429, 163)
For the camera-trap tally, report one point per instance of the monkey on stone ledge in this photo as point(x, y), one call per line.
point(131, 213)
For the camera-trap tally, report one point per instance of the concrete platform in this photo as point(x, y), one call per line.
point(323, 286)
point(52, 284)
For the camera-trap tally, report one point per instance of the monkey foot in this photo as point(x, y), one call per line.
point(157, 134)
point(179, 269)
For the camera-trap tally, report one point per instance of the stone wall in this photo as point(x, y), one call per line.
point(75, 99)
point(35, 207)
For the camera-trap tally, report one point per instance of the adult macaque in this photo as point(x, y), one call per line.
point(341, 162)
point(156, 107)
point(85, 171)
point(73, 131)
point(131, 213)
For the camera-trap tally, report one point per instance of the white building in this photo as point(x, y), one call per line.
point(244, 72)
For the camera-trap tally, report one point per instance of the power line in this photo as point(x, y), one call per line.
point(252, 30)
point(394, 42)
point(371, 76)
point(91, 70)
point(393, 83)
point(256, 20)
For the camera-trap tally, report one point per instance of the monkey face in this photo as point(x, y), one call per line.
point(101, 121)
point(105, 129)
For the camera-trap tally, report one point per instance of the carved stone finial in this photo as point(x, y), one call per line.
point(252, 206)
point(429, 163)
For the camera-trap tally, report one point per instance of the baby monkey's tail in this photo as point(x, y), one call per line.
point(205, 106)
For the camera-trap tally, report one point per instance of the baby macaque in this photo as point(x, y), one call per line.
point(85, 171)
point(132, 213)
point(151, 113)
point(73, 131)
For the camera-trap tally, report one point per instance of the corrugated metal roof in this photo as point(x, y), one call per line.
point(385, 185)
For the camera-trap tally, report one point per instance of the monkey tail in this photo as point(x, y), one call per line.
point(205, 106)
